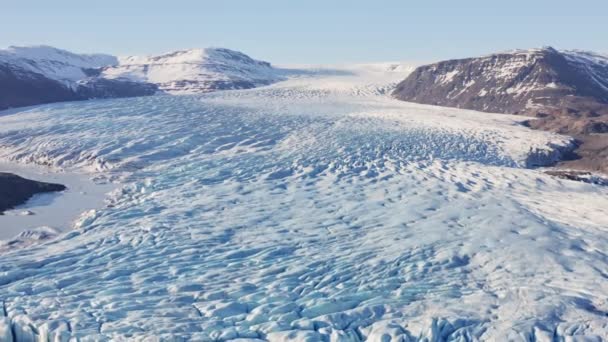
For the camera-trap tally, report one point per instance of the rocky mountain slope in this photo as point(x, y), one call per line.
point(567, 91)
point(195, 71)
point(43, 74)
point(520, 82)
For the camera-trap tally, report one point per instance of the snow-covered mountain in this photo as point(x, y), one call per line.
point(196, 70)
point(53, 63)
point(536, 81)
point(43, 74)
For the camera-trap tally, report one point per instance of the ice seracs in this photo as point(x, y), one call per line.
point(564, 92)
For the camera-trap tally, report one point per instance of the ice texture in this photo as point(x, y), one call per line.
point(316, 209)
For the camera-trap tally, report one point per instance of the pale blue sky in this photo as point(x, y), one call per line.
point(311, 31)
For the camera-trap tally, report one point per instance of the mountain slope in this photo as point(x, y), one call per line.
point(521, 82)
point(24, 88)
point(566, 92)
point(55, 64)
point(196, 70)
point(43, 74)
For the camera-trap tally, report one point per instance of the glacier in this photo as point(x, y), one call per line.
point(313, 209)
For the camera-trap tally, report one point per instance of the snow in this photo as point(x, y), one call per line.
point(591, 63)
point(179, 72)
point(56, 64)
point(448, 77)
point(194, 70)
point(42, 52)
point(314, 209)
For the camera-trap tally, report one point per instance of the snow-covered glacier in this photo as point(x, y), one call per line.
point(315, 209)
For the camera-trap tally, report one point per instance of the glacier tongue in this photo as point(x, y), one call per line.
point(303, 211)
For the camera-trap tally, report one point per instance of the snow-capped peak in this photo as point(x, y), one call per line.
point(53, 63)
point(49, 53)
point(586, 56)
point(199, 55)
point(196, 70)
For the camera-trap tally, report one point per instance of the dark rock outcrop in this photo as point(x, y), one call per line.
point(24, 88)
point(15, 190)
point(101, 88)
point(579, 176)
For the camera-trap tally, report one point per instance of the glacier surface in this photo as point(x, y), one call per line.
point(315, 209)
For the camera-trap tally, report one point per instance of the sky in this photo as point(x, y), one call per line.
point(311, 31)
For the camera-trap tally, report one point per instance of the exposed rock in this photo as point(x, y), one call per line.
point(101, 88)
point(15, 190)
point(579, 176)
point(520, 82)
point(39, 75)
point(28, 238)
point(591, 155)
point(566, 92)
point(25, 88)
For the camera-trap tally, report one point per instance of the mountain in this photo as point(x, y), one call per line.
point(56, 64)
point(195, 71)
point(43, 74)
point(567, 90)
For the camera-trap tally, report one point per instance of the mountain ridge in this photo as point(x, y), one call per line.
point(511, 82)
point(565, 91)
point(196, 70)
point(43, 74)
